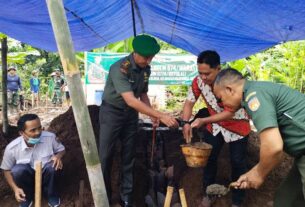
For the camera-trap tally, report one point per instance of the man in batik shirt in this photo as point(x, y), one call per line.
point(220, 125)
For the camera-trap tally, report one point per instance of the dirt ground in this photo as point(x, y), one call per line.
point(188, 178)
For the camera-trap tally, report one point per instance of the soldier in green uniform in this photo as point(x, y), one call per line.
point(58, 88)
point(125, 94)
point(278, 113)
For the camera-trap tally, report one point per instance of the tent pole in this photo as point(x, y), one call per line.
point(133, 18)
point(4, 86)
point(79, 106)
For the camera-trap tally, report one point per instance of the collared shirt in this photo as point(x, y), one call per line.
point(17, 152)
point(276, 105)
point(125, 76)
point(236, 128)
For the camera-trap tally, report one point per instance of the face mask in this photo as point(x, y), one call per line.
point(33, 140)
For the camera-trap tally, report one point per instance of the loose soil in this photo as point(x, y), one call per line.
point(189, 178)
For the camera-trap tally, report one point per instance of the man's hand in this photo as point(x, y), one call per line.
point(199, 122)
point(19, 194)
point(155, 122)
point(251, 179)
point(169, 121)
point(187, 133)
point(57, 163)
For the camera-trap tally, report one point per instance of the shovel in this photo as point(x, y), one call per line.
point(217, 191)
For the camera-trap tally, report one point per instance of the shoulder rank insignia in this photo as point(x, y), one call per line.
point(125, 66)
point(145, 77)
point(254, 104)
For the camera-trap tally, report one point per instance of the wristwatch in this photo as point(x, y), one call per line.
point(183, 122)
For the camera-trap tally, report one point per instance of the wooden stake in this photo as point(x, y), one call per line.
point(169, 195)
point(182, 198)
point(46, 104)
point(38, 177)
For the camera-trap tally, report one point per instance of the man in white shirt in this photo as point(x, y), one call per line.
point(19, 157)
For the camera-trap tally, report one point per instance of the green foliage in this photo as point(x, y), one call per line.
point(283, 63)
point(176, 96)
point(2, 35)
point(121, 46)
point(26, 59)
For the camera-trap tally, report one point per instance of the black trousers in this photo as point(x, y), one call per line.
point(118, 124)
point(238, 154)
point(24, 177)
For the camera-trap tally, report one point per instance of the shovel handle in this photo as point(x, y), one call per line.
point(182, 197)
point(233, 185)
point(153, 141)
point(169, 195)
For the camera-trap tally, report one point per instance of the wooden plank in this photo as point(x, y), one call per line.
point(38, 178)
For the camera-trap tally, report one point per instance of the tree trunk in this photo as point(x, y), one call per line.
point(79, 106)
point(4, 86)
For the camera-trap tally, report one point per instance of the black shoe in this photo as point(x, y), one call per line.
point(126, 204)
point(54, 201)
point(27, 203)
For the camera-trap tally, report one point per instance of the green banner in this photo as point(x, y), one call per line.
point(166, 69)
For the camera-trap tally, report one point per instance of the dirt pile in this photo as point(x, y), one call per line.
point(4, 140)
point(189, 178)
point(64, 127)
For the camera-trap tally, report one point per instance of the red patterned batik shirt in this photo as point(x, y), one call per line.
point(236, 128)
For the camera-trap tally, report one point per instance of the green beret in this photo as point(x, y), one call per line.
point(145, 45)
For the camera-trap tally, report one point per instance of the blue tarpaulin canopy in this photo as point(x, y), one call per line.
point(234, 28)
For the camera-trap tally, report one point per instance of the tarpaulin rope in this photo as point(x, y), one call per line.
point(139, 16)
point(86, 25)
point(133, 18)
point(175, 21)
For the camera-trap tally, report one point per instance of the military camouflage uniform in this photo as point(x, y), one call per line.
point(57, 95)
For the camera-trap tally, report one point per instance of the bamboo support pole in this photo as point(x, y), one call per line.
point(4, 48)
point(79, 105)
point(169, 195)
point(182, 197)
point(38, 178)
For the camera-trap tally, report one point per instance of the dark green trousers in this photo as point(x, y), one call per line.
point(13, 98)
point(291, 192)
point(118, 124)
